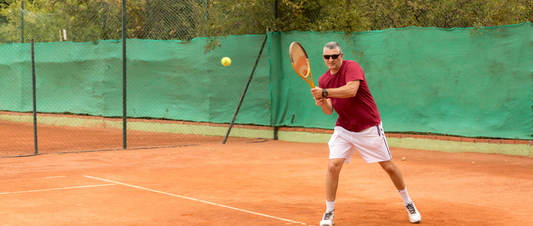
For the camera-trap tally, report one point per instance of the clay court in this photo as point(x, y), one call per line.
point(113, 113)
point(266, 183)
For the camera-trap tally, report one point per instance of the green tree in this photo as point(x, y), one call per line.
point(236, 17)
point(92, 20)
point(166, 19)
point(45, 19)
point(3, 4)
point(320, 15)
point(360, 15)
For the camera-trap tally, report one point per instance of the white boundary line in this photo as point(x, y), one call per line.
point(55, 189)
point(52, 177)
point(193, 199)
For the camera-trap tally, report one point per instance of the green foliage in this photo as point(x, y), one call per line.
point(522, 9)
point(164, 19)
point(237, 17)
point(92, 20)
point(44, 21)
point(3, 19)
point(4, 4)
point(361, 15)
point(319, 15)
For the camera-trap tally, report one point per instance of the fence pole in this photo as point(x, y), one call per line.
point(276, 9)
point(207, 9)
point(34, 98)
point(104, 20)
point(275, 19)
point(245, 89)
point(22, 22)
point(124, 89)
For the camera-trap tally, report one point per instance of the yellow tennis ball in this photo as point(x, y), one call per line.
point(226, 61)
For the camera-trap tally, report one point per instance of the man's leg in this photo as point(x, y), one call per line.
point(396, 176)
point(332, 181)
point(332, 178)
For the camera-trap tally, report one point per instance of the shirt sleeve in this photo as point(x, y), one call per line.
point(354, 72)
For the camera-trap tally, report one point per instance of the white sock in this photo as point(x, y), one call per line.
point(405, 196)
point(330, 206)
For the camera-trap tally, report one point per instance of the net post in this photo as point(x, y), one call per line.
point(33, 88)
point(245, 89)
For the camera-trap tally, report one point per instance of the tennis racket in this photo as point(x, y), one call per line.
point(300, 62)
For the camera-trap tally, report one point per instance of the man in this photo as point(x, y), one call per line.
point(343, 88)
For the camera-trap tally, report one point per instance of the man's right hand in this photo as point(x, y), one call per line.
point(325, 104)
point(321, 102)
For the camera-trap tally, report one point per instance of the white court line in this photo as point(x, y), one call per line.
point(55, 189)
point(34, 178)
point(193, 199)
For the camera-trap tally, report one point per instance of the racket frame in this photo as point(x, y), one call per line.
point(308, 77)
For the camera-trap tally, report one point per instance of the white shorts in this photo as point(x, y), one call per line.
point(370, 143)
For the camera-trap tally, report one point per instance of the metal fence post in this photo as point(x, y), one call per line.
point(22, 22)
point(34, 98)
point(124, 89)
point(104, 20)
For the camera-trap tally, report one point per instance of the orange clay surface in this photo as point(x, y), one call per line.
point(267, 183)
point(17, 139)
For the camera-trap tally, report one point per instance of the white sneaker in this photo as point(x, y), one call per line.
point(327, 219)
point(414, 215)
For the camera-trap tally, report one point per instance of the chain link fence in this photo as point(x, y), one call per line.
point(364, 15)
point(68, 118)
point(177, 91)
point(79, 69)
point(93, 20)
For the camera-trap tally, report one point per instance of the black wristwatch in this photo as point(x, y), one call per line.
point(324, 93)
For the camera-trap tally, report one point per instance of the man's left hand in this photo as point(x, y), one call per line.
point(317, 92)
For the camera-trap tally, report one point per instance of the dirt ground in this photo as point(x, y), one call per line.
point(267, 183)
point(18, 139)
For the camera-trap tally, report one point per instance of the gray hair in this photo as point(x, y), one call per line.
point(333, 45)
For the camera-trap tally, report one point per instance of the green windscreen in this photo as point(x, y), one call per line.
point(165, 79)
point(469, 82)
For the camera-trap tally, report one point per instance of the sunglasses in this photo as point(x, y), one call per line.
point(326, 57)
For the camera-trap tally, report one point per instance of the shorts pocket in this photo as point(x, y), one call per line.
point(332, 139)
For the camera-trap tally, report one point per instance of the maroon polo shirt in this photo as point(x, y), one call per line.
point(355, 113)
